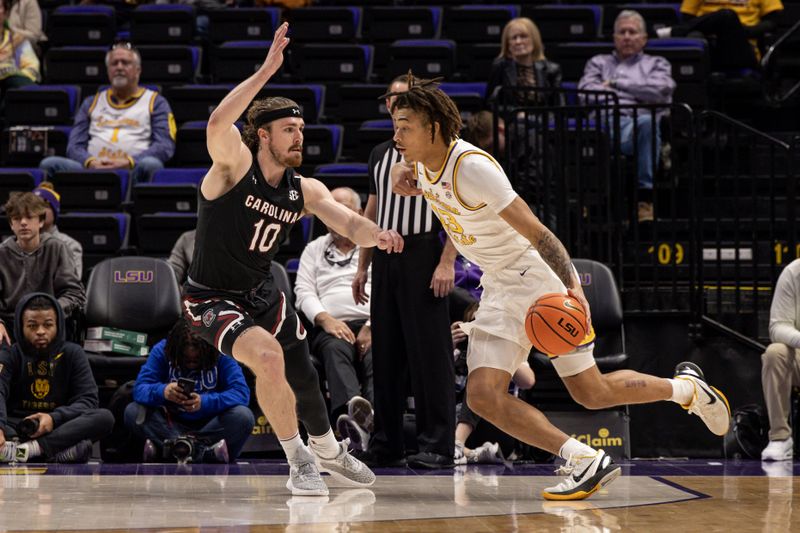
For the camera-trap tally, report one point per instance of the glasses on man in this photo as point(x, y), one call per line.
point(330, 257)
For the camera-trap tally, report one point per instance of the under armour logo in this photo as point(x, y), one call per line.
point(293, 195)
point(296, 112)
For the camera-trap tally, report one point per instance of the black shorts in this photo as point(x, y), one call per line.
point(219, 317)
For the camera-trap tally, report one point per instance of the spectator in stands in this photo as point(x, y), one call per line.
point(466, 419)
point(122, 127)
point(480, 132)
point(637, 78)
point(733, 28)
point(181, 255)
point(216, 413)
point(52, 200)
point(780, 364)
point(32, 261)
point(410, 318)
point(48, 396)
point(522, 64)
point(324, 293)
point(19, 65)
point(25, 20)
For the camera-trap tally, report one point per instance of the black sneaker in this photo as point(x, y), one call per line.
point(430, 461)
point(379, 460)
point(78, 453)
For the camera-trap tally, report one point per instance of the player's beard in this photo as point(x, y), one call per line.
point(290, 159)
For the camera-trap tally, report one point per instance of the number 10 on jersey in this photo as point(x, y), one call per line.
point(265, 239)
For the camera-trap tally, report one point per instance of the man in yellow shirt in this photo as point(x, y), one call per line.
point(734, 24)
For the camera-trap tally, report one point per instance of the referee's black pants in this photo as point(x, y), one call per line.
point(411, 342)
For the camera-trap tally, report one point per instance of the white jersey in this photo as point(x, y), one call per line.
point(467, 195)
point(120, 130)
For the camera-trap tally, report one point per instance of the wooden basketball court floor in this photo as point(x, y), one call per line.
point(665, 495)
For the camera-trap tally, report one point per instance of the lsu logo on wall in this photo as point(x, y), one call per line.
point(134, 276)
point(40, 388)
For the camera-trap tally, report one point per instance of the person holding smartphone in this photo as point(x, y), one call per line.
point(187, 391)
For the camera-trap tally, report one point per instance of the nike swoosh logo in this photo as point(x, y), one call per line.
point(570, 305)
point(577, 477)
point(711, 397)
point(523, 272)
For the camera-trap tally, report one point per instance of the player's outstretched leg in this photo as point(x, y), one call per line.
point(707, 402)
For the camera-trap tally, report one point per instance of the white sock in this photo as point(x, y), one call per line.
point(325, 445)
point(663, 33)
point(682, 390)
point(291, 446)
point(34, 450)
point(576, 449)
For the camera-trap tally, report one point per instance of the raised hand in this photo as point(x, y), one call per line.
point(274, 58)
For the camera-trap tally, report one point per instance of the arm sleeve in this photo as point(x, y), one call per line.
point(178, 259)
point(305, 288)
point(233, 390)
point(783, 312)
point(658, 87)
point(480, 180)
point(162, 123)
point(7, 371)
point(76, 254)
point(153, 378)
point(30, 20)
point(592, 79)
point(79, 136)
point(28, 61)
point(494, 83)
point(84, 389)
point(67, 285)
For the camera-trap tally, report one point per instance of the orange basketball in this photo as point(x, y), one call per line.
point(556, 324)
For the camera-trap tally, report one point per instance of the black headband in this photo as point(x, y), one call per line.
point(274, 114)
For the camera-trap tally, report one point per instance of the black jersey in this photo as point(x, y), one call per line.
point(239, 233)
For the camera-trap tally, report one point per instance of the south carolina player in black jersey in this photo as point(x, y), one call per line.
point(248, 201)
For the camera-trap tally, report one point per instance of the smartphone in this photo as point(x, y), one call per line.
point(186, 385)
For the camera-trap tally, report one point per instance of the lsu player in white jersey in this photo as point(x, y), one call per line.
point(494, 228)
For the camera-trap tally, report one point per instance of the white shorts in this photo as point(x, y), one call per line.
point(507, 295)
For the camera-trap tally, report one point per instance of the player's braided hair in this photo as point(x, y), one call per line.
point(426, 98)
point(180, 337)
point(250, 130)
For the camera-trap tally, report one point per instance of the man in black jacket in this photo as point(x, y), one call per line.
point(48, 396)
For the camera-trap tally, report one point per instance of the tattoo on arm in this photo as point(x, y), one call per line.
point(635, 384)
point(555, 255)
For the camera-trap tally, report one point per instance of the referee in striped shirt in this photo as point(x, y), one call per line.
point(411, 342)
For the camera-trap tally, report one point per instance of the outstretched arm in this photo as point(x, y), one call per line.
point(222, 138)
point(363, 232)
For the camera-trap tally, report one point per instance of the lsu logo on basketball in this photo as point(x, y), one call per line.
point(571, 330)
point(134, 276)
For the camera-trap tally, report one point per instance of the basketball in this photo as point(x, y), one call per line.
point(556, 324)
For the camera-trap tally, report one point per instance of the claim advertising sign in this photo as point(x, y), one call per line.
point(608, 430)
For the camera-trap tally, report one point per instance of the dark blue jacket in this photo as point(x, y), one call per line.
point(220, 388)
